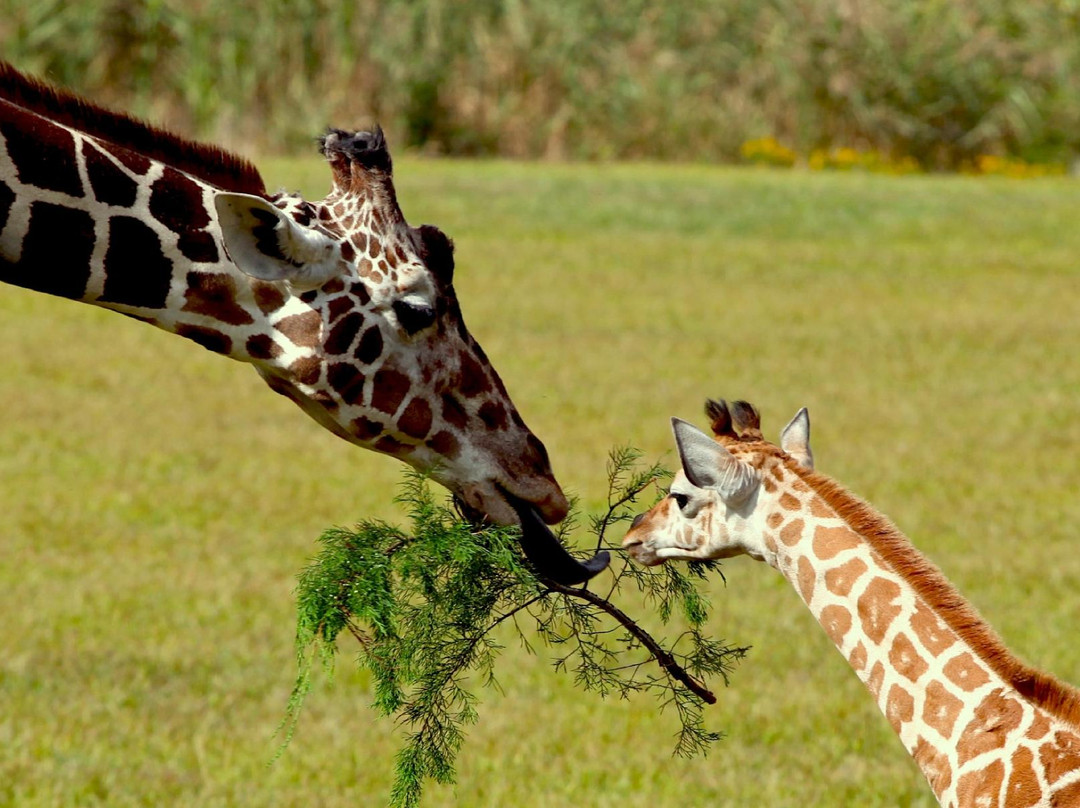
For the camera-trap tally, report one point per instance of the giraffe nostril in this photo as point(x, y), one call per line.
point(637, 520)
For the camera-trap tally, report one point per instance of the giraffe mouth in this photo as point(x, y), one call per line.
point(542, 547)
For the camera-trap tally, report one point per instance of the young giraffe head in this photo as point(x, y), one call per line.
point(377, 350)
point(716, 500)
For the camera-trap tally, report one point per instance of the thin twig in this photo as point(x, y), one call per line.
point(665, 660)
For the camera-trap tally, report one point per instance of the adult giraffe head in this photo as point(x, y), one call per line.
point(377, 350)
point(340, 304)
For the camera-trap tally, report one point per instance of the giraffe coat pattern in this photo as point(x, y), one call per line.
point(985, 729)
point(339, 304)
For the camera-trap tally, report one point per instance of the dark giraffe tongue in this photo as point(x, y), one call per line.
point(546, 553)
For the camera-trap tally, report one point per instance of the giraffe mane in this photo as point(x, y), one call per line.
point(1056, 697)
point(209, 163)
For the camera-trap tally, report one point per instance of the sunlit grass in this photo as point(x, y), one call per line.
point(158, 501)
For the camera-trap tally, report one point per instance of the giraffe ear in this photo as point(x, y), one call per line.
point(795, 439)
point(707, 464)
point(267, 244)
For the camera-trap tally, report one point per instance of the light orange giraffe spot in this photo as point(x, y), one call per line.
point(874, 680)
point(934, 765)
point(775, 520)
point(857, 660)
point(1023, 790)
point(1060, 756)
point(829, 541)
point(932, 633)
point(788, 502)
point(1067, 797)
point(964, 672)
point(836, 620)
point(941, 708)
point(877, 609)
point(905, 658)
point(792, 532)
point(769, 486)
point(899, 707)
point(1040, 725)
point(981, 788)
point(820, 510)
point(807, 579)
point(839, 580)
point(996, 717)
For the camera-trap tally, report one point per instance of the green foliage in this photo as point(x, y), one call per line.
point(937, 82)
point(424, 604)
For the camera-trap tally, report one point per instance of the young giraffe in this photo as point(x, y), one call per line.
point(984, 728)
point(339, 304)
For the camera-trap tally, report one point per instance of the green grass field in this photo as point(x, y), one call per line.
point(158, 500)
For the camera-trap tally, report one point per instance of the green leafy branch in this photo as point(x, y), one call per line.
point(424, 604)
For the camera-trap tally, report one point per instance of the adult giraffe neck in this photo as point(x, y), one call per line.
point(979, 723)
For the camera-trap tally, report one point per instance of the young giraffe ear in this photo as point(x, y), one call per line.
point(707, 464)
point(795, 439)
point(267, 244)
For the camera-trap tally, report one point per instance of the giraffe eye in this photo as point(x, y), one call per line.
point(682, 500)
point(414, 317)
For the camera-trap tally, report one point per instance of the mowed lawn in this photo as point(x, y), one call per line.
point(157, 501)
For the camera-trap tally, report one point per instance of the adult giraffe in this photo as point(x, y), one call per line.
point(984, 728)
point(339, 304)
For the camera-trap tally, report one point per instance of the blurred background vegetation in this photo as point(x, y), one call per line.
point(932, 84)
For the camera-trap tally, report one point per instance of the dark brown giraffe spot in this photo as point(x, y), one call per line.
point(836, 620)
point(877, 609)
point(58, 237)
point(807, 579)
point(109, 183)
point(361, 241)
point(392, 446)
point(831, 541)
point(899, 707)
point(981, 786)
point(267, 297)
point(309, 296)
point(306, 370)
point(177, 202)
point(792, 532)
point(1060, 756)
point(1040, 726)
point(342, 335)
point(333, 286)
point(493, 414)
point(932, 633)
point(473, 381)
point(133, 161)
point(941, 708)
point(370, 347)
point(416, 420)
point(303, 330)
point(42, 152)
point(964, 672)
point(214, 294)
point(7, 198)
point(1023, 790)
point(445, 445)
point(207, 337)
point(349, 383)
point(262, 346)
point(934, 765)
point(375, 248)
point(905, 658)
point(453, 412)
point(389, 390)
point(137, 273)
point(996, 717)
point(366, 429)
point(839, 580)
point(339, 306)
point(361, 293)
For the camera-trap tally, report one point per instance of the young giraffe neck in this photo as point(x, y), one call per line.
point(983, 728)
